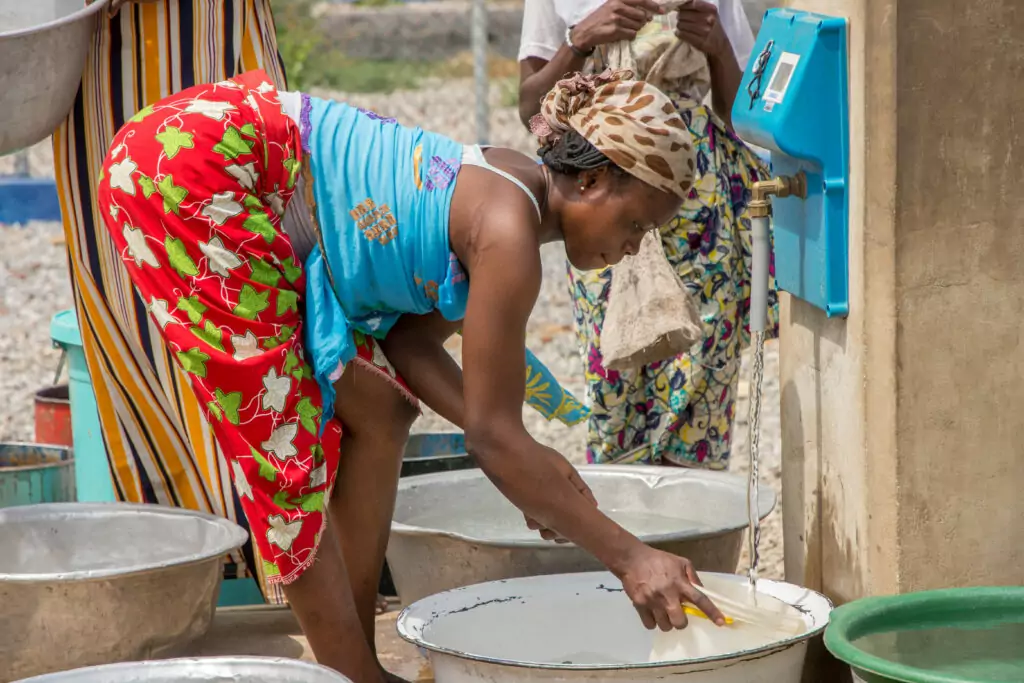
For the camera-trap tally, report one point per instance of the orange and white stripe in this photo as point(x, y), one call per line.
point(159, 445)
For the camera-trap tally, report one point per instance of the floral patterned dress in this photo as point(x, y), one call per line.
point(680, 411)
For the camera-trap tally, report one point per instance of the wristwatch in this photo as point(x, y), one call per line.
point(576, 50)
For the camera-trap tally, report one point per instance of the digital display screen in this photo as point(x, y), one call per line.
point(781, 78)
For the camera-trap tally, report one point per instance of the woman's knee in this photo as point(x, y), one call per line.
point(371, 407)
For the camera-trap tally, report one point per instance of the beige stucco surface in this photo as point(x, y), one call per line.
point(903, 464)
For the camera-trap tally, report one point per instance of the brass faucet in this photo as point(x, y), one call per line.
point(780, 186)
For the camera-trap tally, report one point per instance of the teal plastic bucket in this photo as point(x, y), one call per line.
point(92, 471)
point(435, 452)
point(35, 473)
point(957, 635)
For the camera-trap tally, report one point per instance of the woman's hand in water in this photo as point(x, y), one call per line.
point(659, 583)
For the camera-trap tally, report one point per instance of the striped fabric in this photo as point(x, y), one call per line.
point(160, 447)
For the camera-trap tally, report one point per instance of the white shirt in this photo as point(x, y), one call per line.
point(545, 21)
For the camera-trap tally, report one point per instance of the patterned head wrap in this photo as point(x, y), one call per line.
point(631, 122)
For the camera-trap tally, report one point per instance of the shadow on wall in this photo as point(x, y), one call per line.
point(809, 539)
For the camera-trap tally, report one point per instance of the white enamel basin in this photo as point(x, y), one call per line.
point(582, 627)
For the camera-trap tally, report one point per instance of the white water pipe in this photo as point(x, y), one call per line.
point(759, 273)
point(760, 216)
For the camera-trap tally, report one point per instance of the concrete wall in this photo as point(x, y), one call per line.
point(960, 292)
point(902, 425)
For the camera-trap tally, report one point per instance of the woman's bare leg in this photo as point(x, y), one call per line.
point(322, 602)
point(376, 420)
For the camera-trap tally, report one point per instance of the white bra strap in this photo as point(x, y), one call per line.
point(474, 156)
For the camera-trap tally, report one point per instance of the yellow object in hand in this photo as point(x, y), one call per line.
point(694, 612)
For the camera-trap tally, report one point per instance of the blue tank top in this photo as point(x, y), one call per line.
point(383, 193)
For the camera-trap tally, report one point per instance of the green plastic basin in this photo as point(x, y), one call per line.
point(957, 635)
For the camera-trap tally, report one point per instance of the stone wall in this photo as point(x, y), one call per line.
point(428, 31)
point(437, 30)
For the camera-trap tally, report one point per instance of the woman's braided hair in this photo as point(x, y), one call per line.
point(570, 153)
point(587, 122)
point(567, 151)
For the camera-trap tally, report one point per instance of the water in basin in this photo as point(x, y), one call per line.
point(513, 527)
point(577, 620)
point(686, 504)
point(587, 657)
point(993, 653)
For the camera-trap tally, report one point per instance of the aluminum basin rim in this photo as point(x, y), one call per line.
point(652, 475)
point(764, 650)
point(271, 664)
point(91, 8)
point(433, 458)
point(420, 532)
point(236, 537)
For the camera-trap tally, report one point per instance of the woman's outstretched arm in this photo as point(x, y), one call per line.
point(505, 276)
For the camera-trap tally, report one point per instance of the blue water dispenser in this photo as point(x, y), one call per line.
point(793, 101)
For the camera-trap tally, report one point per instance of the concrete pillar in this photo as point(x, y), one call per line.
point(903, 426)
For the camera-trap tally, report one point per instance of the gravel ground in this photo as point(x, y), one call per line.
point(34, 286)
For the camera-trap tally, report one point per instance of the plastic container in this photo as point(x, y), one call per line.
point(53, 416)
point(92, 471)
point(957, 635)
point(431, 452)
point(34, 473)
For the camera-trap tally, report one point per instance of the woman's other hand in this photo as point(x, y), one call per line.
point(697, 23)
point(613, 21)
point(546, 534)
point(564, 468)
point(659, 583)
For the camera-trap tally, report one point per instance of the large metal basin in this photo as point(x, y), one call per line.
point(43, 46)
point(201, 670)
point(455, 529)
point(427, 453)
point(575, 628)
point(83, 584)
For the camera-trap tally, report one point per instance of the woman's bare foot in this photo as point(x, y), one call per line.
point(382, 604)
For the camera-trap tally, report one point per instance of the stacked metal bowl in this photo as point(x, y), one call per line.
point(85, 584)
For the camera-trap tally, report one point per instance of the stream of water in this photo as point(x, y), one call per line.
point(754, 443)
